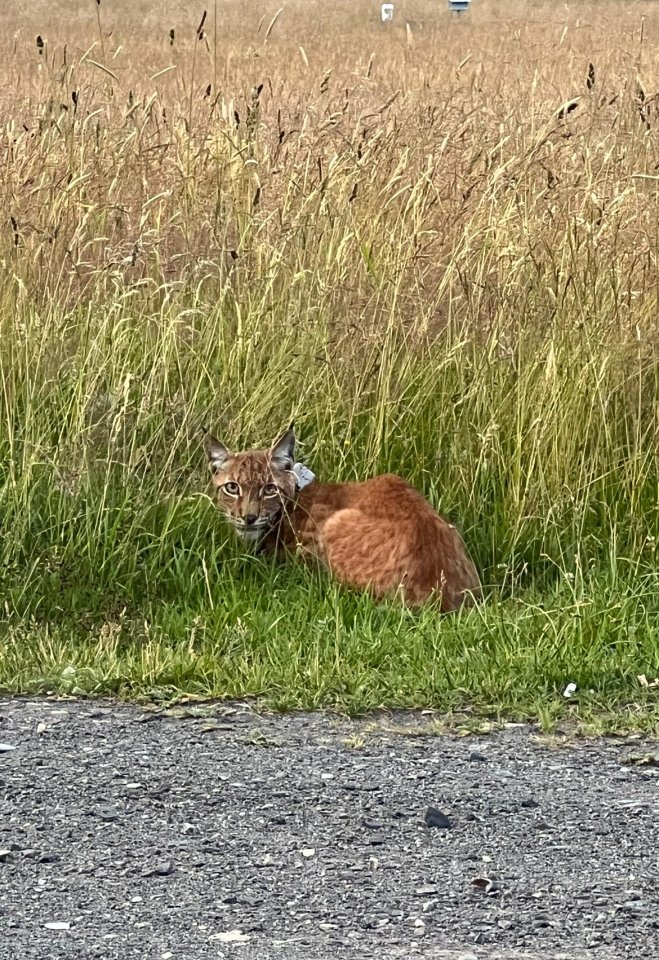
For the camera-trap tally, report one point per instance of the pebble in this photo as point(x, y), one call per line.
point(107, 813)
point(635, 906)
point(435, 818)
point(48, 858)
point(230, 936)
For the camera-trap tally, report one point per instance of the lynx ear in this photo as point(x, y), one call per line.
point(282, 452)
point(218, 454)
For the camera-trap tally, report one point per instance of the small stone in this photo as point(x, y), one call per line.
point(490, 885)
point(4, 855)
point(230, 936)
point(162, 868)
point(640, 760)
point(48, 858)
point(477, 758)
point(426, 891)
point(494, 888)
point(435, 818)
point(634, 906)
point(41, 727)
point(308, 852)
point(57, 925)
point(530, 804)
point(107, 813)
point(6, 747)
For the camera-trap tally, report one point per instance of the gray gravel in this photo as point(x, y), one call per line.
point(146, 836)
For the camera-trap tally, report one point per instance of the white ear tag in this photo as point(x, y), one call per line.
point(303, 474)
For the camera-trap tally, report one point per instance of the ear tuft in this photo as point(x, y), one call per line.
point(218, 454)
point(282, 452)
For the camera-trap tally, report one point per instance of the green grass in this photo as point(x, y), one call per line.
point(298, 643)
point(118, 576)
point(405, 278)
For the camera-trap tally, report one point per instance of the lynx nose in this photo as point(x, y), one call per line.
point(250, 519)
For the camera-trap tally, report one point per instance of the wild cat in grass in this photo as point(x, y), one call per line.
point(379, 535)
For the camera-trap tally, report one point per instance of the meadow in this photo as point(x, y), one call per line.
point(434, 243)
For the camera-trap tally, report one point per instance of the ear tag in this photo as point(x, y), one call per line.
point(303, 474)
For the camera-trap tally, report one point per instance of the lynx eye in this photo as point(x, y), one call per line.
point(270, 490)
point(231, 488)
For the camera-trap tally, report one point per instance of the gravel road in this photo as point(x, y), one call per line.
point(135, 835)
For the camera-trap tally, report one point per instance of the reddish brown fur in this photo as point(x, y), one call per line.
point(380, 535)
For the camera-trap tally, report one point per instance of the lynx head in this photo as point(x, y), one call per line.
point(253, 487)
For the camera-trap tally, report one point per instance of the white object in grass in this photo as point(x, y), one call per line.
point(304, 475)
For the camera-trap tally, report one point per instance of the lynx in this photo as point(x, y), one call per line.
point(379, 535)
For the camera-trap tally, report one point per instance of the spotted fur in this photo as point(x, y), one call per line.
point(380, 535)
